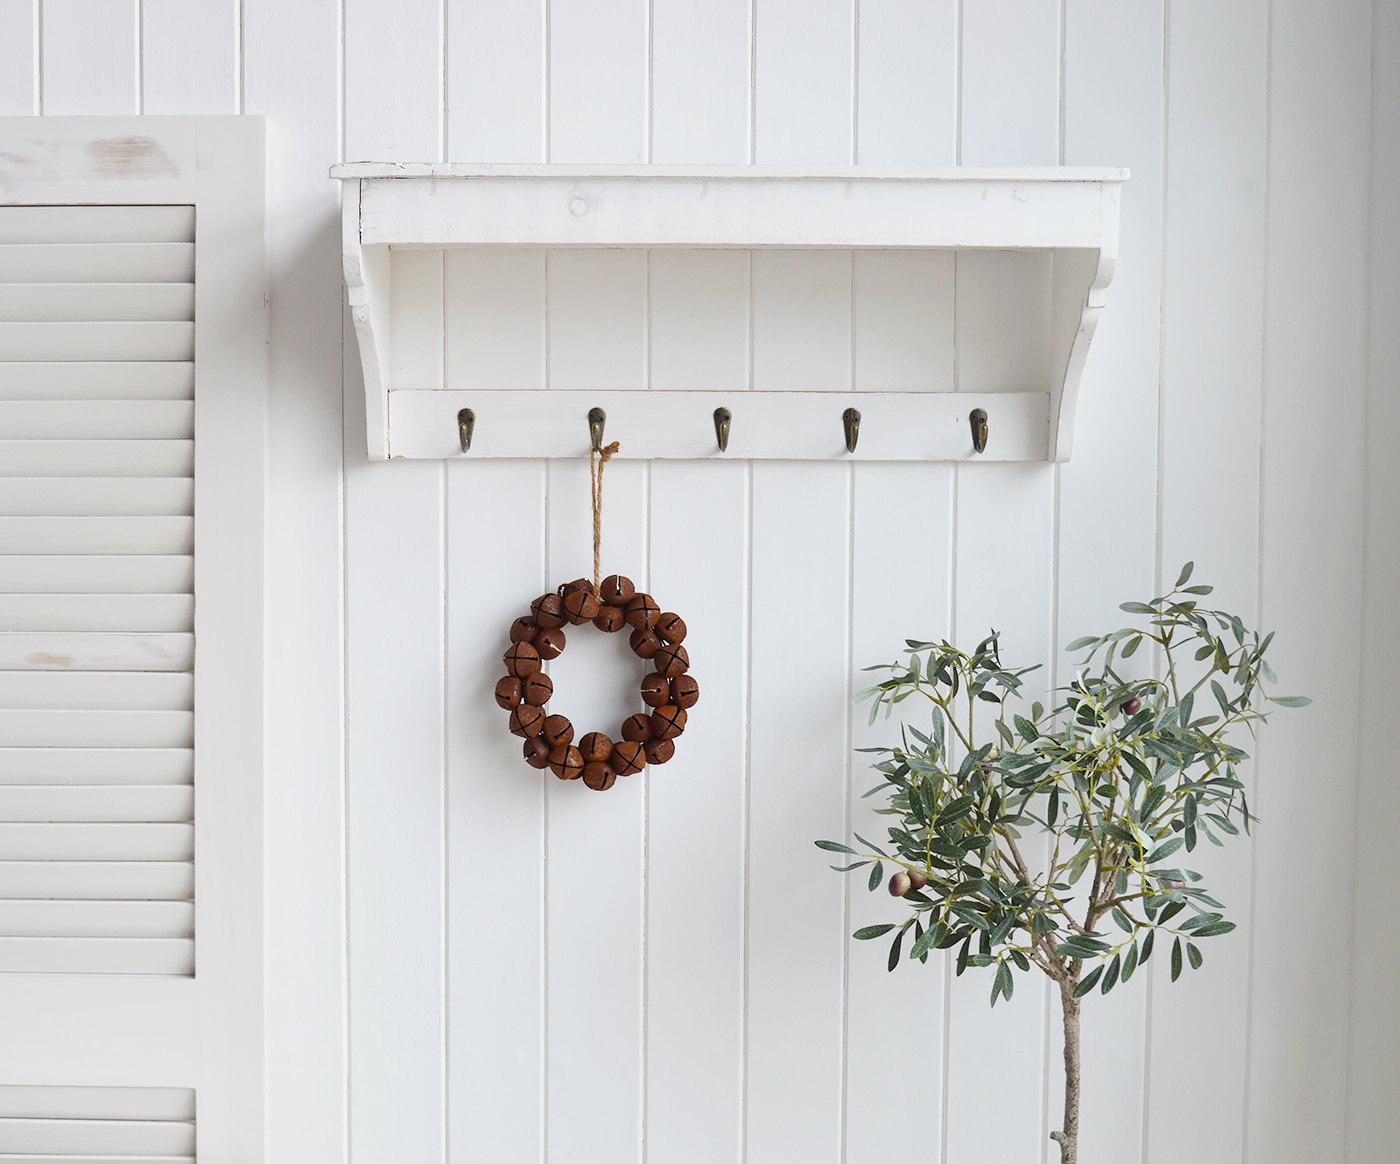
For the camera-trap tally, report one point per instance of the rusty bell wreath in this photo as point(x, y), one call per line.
point(647, 737)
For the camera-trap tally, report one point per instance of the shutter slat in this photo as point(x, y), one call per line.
point(88, 880)
point(96, 766)
point(112, 1137)
point(97, 919)
point(97, 690)
point(129, 574)
point(97, 458)
point(96, 956)
point(102, 419)
point(148, 803)
point(97, 842)
point(97, 341)
point(95, 380)
point(25, 1101)
point(96, 496)
point(48, 650)
point(43, 728)
point(98, 535)
point(50, 302)
point(46, 1158)
point(87, 224)
point(141, 613)
point(97, 263)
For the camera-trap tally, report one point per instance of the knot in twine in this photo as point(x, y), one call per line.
point(597, 459)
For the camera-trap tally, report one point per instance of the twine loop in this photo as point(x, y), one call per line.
point(597, 459)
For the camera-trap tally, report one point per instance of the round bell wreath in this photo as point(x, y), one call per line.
point(647, 737)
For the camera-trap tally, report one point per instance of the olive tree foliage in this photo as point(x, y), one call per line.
point(1118, 784)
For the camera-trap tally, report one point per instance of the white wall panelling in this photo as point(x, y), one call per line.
point(1372, 1120)
point(1231, 341)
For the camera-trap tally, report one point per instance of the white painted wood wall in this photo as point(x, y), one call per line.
point(662, 973)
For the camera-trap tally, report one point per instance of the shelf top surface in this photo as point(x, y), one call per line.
point(349, 171)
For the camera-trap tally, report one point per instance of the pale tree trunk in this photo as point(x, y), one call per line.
point(1068, 1139)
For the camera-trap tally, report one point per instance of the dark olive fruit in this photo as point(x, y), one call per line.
point(900, 884)
point(917, 880)
point(1132, 706)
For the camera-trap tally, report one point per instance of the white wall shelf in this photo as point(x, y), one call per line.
point(1072, 213)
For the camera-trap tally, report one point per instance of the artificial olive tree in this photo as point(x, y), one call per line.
point(1055, 840)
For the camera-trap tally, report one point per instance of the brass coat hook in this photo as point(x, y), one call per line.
point(978, 420)
point(851, 419)
point(466, 423)
point(597, 418)
point(722, 419)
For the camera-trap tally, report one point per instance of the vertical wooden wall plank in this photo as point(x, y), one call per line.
point(494, 319)
point(395, 654)
point(495, 820)
point(700, 81)
point(597, 318)
point(902, 581)
point(416, 309)
point(802, 308)
point(19, 58)
point(1373, 1120)
point(796, 905)
point(1213, 317)
point(802, 328)
point(598, 81)
point(395, 700)
point(1004, 547)
point(496, 831)
point(1005, 541)
point(801, 516)
point(1010, 82)
point(292, 76)
point(1005, 522)
point(802, 82)
point(495, 81)
point(1320, 92)
point(189, 56)
point(89, 58)
point(495, 336)
point(1108, 493)
point(907, 105)
point(699, 335)
point(597, 323)
point(393, 81)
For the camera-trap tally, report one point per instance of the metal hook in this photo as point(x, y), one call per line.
point(978, 420)
point(597, 418)
point(722, 418)
point(851, 419)
point(466, 422)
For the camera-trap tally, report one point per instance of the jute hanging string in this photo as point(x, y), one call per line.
point(609, 604)
point(597, 460)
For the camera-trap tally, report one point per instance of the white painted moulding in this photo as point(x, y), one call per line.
point(1071, 212)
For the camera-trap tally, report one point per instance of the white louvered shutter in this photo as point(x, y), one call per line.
point(133, 410)
point(96, 588)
